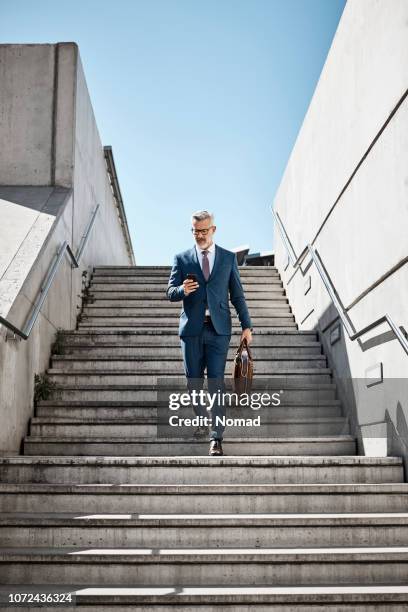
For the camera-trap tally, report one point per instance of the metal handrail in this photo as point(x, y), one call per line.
point(331, 290)
point(46, 284)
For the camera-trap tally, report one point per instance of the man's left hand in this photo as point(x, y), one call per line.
point(247, 334)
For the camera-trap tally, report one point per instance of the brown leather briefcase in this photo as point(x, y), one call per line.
point(242, 369)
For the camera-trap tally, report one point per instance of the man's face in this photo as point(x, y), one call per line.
point(203, 238)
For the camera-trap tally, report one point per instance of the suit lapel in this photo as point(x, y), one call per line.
point(194, 257)
point(196, 263)
point(216, 261)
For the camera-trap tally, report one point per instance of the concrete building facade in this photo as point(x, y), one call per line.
point(54, 173)
point(345, 192)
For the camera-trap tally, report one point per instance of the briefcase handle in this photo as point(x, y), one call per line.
point(244, 343)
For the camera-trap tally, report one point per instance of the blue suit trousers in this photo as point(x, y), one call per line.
point(208, 351)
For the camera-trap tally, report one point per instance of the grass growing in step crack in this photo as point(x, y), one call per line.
point(44, 387)
point(58, 346)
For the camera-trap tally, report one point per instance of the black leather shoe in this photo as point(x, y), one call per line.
point(201, 432)
point(215, 448)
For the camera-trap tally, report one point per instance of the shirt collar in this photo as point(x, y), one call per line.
point(211, 249)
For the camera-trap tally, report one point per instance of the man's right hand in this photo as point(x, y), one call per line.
point(189, 286)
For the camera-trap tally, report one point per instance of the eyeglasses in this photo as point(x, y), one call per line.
point(204, 232)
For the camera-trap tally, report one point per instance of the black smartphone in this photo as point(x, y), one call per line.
point(192, 277)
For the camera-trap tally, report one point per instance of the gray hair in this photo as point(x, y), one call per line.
point(200, 215)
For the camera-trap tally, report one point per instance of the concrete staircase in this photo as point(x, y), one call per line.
point(106, 503)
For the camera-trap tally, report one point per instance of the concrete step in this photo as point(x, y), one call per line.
point(270, 426)
point(91, 351)
point(45, 529)
point(161, 302)
point(173, 309)
point(200, 498)
point(201, 469)
point(149, 376)
point(142, 427)
point(306, 393)
point(106, 270)
point(173, 314)
point(122, 284)
point(173, 447)
point(274, 320)
point(260, 283)
point(172, 327)
point(174, 364)
point(255, 270)
point(285, 429)
point(159, 337)
point(274, 293)
point(136, 267)
point(328, 598)
point(194, 567)
point(165, 274)
point(160, 270)
point(87, 410)
point(168, 267)
point(164, 278)
point(274, 335)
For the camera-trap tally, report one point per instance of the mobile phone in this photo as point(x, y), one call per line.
point(192, 277)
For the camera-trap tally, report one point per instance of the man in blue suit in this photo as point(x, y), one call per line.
point(205, 320)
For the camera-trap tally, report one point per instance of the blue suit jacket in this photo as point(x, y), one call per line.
point(224, 278)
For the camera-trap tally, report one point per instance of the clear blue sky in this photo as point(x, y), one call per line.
point(201, 101)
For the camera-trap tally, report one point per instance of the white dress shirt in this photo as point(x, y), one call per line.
point(210, 256)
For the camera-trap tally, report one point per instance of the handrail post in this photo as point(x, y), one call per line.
point(402, 339)
point(331, 290)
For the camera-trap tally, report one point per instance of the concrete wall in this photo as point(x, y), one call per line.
point(345, 190)
point(54, 154)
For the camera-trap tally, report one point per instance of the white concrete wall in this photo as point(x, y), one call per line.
point(345, 190)
point(26, 102)
point(53, 140)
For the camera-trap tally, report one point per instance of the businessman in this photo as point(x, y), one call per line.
point(205, 320)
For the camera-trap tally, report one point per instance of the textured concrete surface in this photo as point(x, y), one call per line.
point(28, 216)
point(52, 175)
point(130, 504)
point(26, 102)
point(345, 190)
